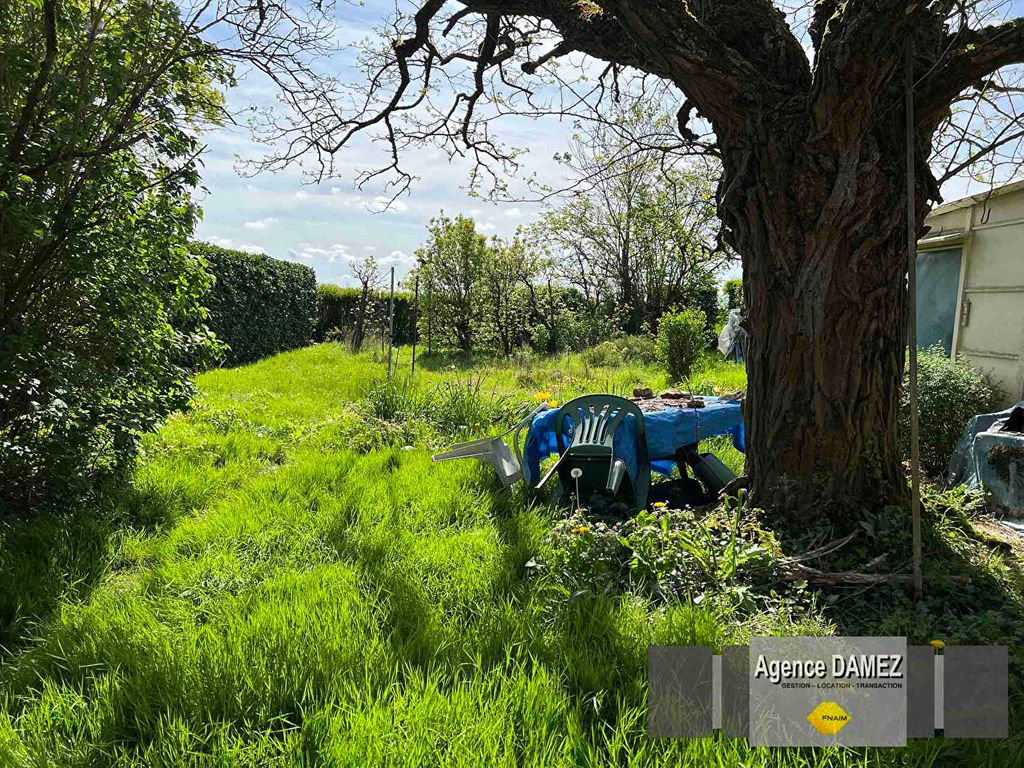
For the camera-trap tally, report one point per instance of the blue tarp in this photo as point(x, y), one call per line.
point(667, 431)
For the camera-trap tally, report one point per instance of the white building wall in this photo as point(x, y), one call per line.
point(990, 332)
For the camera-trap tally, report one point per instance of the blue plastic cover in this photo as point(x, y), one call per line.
point(667, 431)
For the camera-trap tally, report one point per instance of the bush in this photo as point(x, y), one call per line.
point(681, 337)
point(338, 312)
point(664, 554)
point(258, 306)
point(636, 350)
point(733, 290)
point(950, 392)
point(703, 297)
point(101, 321)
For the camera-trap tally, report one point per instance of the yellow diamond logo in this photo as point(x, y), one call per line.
point(828, 718)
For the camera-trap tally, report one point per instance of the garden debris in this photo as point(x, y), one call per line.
point(674, 394)
point(642, 393)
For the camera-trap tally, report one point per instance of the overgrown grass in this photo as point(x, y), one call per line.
point(286, 581)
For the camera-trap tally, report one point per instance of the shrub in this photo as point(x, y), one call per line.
point(338, 311)
point(680, 341)
point(733, 290)
point(950, 392)
point(101, 321)
point(636, 350)
point(702, 296)
point(664, 554)
point(258, 305)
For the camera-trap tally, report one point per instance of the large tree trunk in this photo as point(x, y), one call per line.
point(822, 238)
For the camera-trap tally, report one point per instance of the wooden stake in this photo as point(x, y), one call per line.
point(915, 457)
point(391, 320)
point(415, 319)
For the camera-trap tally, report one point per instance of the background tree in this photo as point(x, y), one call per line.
point(507, 273)
point(646, 232)
point(451, 264)
point(808, 121)
point(367, 274)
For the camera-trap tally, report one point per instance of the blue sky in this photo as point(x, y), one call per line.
point(329, 224)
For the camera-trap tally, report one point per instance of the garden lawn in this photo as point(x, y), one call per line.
point(288, 579)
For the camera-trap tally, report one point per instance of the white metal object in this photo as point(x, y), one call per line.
point(494, 451)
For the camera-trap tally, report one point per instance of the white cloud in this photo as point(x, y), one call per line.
point(300, 195)
point(260, 224)
point(396, 258)
point(487, 226)
point(227, 242)
point(384, 204)
point(328, 255)
point(513, 213)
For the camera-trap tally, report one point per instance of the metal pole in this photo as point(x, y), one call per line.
point(391, 320)
point(915, 454)
point(415, 319)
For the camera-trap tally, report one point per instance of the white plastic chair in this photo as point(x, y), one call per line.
point(494, 451)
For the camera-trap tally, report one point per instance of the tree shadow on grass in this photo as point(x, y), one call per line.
point(970, 598)
point(57, 554)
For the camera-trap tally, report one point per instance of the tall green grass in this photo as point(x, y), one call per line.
point(267, 593)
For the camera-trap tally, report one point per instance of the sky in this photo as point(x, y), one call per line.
point(328, 225)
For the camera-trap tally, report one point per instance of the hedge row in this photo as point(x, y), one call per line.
point(258, 305)
point(338, 310)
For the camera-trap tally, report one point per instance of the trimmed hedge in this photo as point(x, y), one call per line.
point(258, 305)
point(337, 311)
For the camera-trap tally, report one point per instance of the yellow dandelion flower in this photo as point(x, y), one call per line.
point(937, 644)
point(540, 397)
point(661, 504)
point(553, 403)
point(581, 529)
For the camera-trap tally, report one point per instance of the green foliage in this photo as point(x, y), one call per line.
point(701, 294)
point(665, 554)
point(681, 337)
point(452, 264)
point(450, 408)
point(733, 290)
point(638, 350)
point(950, 392)
point(338, 308)
point(258, 305)
point(504, 322)
point(640, 236)
point(101, 322)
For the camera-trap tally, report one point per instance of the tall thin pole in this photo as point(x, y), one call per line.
point(915, 453)
point(391, 320)
point(415, 319)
